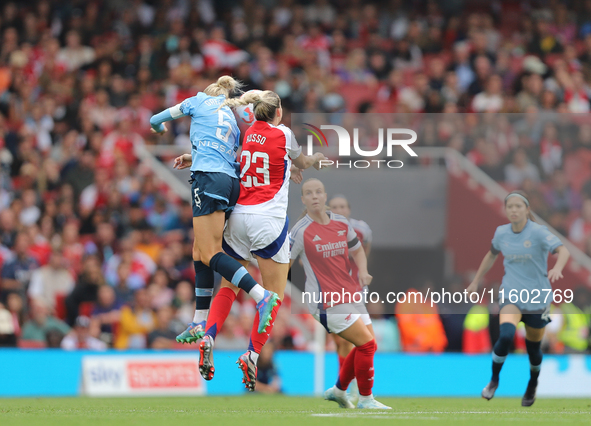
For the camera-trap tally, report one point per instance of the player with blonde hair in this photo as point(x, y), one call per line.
point(215, 188)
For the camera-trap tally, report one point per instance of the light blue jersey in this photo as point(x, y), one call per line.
point(526, 265)
point(214, 134)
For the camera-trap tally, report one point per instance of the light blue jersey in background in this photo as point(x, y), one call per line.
point(214, 134)
point(526, 264)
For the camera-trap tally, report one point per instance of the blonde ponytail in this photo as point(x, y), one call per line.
point(265, 104)
point(224, 86)
point(247, 98)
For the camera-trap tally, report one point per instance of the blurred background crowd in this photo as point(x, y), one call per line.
point(95, 251)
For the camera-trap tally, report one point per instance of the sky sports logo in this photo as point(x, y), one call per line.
point(386, 137)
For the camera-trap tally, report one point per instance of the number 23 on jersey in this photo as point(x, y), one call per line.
point(255, 169)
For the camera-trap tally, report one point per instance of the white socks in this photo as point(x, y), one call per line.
point(257, 293)
point(200, 316)
point(254, 357)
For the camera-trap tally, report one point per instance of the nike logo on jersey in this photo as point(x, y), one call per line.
point(316, 238)
point(341, 233)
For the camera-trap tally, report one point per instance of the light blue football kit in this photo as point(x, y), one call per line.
point(215, 186)
point(214, 133)
point(526, 265)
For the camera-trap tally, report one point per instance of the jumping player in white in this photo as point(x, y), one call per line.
point(258, 225)
point(215, 188)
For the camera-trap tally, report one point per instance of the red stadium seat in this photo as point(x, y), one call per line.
point(356, 93)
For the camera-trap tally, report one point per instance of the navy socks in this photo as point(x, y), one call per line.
point(233, 271)
point(534, 350)
point(204, 282)
point(501, 349)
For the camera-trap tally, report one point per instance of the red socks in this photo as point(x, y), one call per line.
point(347, 371)
point(364, 367)
point(359, 364)
point(258, 340)
point(219, 311)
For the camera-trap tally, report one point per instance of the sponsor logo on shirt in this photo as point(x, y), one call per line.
point(332, 249)
point(316, 238)
point(231, 151)
point(518, 258)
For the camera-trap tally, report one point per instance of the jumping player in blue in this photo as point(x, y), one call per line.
point(215, 187)
point(525, 245)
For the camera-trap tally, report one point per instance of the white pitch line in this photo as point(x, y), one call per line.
point(412, 414)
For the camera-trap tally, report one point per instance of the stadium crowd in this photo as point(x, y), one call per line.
point(95, 250)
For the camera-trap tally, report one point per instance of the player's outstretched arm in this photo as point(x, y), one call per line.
point(556, 272)
point(485, 265)
point(305, 161)
point(157, 120)
point(360, 260)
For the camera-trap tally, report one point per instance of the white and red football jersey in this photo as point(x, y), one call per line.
point(365, 236)
point(325, 253)
point(265, 165)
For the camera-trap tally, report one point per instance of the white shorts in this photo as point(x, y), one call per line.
point(248, 234)
point(340, 317)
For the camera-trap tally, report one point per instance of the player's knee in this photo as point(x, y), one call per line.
point(367, 341)
point(368, 347)
point(507, 334)
point(205, 257)
point(343, 349)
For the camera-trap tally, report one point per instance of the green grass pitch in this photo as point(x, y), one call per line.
point(264, 410)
